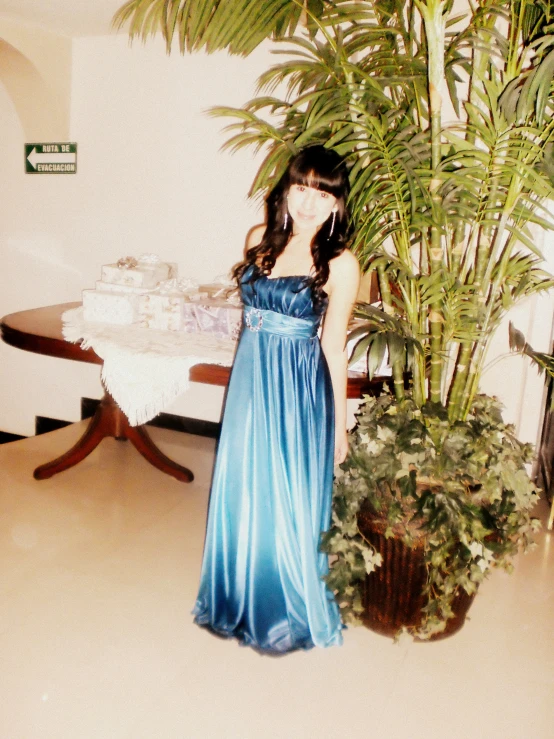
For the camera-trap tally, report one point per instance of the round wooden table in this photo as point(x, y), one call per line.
point(39, 330)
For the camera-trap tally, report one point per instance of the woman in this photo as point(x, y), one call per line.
point(285, 420)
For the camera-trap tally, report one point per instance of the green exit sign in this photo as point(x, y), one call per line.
point(52, 158)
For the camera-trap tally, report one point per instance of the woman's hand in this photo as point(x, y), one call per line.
point(341, 446)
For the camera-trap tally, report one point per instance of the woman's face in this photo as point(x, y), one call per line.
point(309, 208)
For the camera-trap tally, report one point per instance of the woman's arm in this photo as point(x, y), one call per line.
point(342, 288)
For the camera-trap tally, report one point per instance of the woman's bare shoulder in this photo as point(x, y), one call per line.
point(255, 235)
point(344, 267)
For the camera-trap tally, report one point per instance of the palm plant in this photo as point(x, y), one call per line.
point(447, 122)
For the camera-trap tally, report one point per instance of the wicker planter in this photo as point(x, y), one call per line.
point(393, 594)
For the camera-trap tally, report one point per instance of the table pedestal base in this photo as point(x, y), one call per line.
point(109, 420)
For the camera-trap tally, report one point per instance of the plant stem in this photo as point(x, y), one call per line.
point(434, 20)
point(386, 297)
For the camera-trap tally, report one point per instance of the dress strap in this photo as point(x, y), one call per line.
point(272, 322)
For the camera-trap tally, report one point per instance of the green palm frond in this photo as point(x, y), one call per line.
point(543, 362)
point(381, 338)
point(237, 25)
point(443, 212)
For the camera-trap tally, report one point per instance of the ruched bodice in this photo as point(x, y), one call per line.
point(262, 573)
point(291, 295)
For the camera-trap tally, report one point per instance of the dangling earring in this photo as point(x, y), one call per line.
point(332, 225)
point(285, 221)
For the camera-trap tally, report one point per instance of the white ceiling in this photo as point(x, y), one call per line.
point(68, 17)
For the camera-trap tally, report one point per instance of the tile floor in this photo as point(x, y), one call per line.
point(98, 573)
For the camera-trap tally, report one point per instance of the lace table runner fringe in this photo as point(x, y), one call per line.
point(145, 370)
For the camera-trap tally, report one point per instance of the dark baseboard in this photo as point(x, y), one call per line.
point(170, 421)
point(187, 425)
point(5, 437)
point(88, 407)
point(44, 425)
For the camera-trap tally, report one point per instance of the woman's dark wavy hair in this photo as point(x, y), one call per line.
point(323, 169)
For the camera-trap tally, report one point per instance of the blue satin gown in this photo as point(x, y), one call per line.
point(270, 501)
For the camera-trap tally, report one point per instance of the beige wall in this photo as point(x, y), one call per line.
point(150, 178)
point(35, 68)
point(513, 378)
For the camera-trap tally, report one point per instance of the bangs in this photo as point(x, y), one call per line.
point(331, 181)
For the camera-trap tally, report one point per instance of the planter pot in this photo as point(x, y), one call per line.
point(392, 595)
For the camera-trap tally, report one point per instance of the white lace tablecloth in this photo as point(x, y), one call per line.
point(144, 370)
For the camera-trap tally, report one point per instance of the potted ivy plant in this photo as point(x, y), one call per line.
point(427, 507)
point(446, 121)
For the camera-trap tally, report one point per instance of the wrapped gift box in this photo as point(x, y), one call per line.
point(217, 317)
point(146, 272)
point(110, 307)
point(218, 290)
point(112, 287)
point(161, 311)
point(189, 322)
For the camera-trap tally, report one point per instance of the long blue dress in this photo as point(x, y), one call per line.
point(270, 501)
